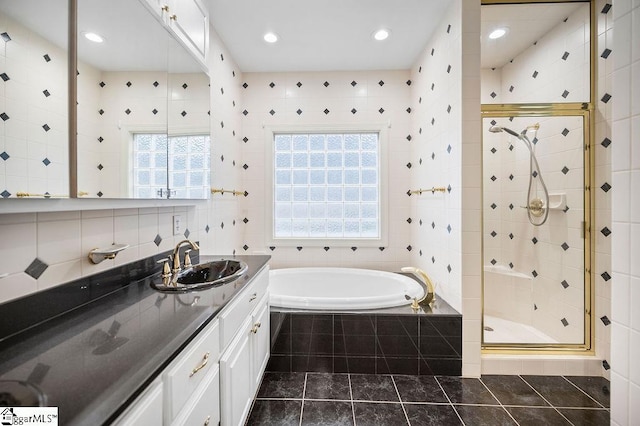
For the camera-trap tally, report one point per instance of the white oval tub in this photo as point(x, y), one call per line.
point(340, 288)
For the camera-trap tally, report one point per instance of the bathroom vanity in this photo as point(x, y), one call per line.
point(127, 354)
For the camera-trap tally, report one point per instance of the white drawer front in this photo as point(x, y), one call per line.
point(146, 410)
point(185, 374)
point(205, 409)
point(233, 315)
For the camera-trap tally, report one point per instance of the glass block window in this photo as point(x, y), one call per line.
point(326, 185)
point(170, 167)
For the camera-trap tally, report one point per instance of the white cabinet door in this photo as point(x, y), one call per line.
point(236, 378)
point(190, 22)
point(260, 340)
point(146, 410)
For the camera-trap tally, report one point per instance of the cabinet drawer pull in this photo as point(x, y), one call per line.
point(253, 297)
point(165, 8)
point(173, 17)
point(255, 327)
point(206, 422)
point(201, 366)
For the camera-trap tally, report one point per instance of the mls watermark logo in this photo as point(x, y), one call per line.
point(10, 416)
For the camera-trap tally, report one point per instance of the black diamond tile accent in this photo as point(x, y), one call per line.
point(493, 178)
point(534, 240)
point(5, 194)
point(493, 261)
point(565, 94)
point(605, 231)
point(245, 112)
point(511, 265)
point(100, 139)
point(245, 247)
point(4, 116)
point(221, 57)
point(534, 273)
point(510, 236)
point(564, 322)
point(535, 141)
point(606, 8)
point(409, 248)
point(128, 83)
point(299, 248)
point(354, 248)
point(565, 246)
point(46, 162)
point(246, 193)
point(606, 142)
point(449, 268)
point(605, 53)
point(449, 149)
point(535, 74)
point(100, 111)
point(245, 220)
point(245, 166)
point(565, 132)
point(564, 283)
point(419, 69)
point(222, 124)
point(409, 220)
point(534, 174)
point(326, 111)
point(154, 111)
point(381, 83)
point(4, 155)
point(409, 139)
point(46, 127)
point(433, 121)
point(565, 170)
point(245, 85)
point(511, 88)
point(408, 82)
point(408, 110)
point(433, 225)
point(605, 320)
point(157, 240)
point(605, 187)
point(420, 222)
point(510, 206)
point(325, 84)
point(433, 50)
point(493, 94)
point(206, 229)
point(4, 76)
point(187, 233)
point(272, 112)
point(448, 69)
point(100, 167)
point(493, 150)
point(408, 165)
point(36, 268)
point(245, 139)
point(354, 83)
point(535, 307)
point(566, 209)
point(449, 228)
point(494, 233)
point(510, 147)
point(433, 259)
point(299, 111)
point(605, 276)
point(327, 248)
point(494, 122)
point(183, 113)
point(100, 194)
point(272, 248)
point(272, 85)
point(156, 84)
point(493, 206)
point(128, 111)
point(511, 177)
point(299, 84)
point(5, 36)
point(381, 110)
point(605, 365)
point(606, 98)
point(449, 189)
point(46, 57)
point(565, 55)
point(353, 110)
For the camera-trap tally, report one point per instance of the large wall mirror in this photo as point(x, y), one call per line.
point(34, 136)
point(143, 107)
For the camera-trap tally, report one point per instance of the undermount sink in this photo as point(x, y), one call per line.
point(202, 276)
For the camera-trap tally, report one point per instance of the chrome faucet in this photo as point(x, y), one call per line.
point(176, 255)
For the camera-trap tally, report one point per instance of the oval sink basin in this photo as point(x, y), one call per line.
point(202, 276)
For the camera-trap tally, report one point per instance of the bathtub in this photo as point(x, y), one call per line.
point(340, 289)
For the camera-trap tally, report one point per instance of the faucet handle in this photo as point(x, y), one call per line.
point(187, 259)
point(166, 269)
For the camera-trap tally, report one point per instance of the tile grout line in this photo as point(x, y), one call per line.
point(546, 400)
point(449, 399)
point(582, 390)
point(499, 402)
point(400, 399)
point(304, 390)
point(353, 408)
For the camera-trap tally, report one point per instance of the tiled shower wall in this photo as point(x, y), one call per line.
point(321, 98)
point(445, 152)
point(33, 113)
point(625, 141)
point(42, 250)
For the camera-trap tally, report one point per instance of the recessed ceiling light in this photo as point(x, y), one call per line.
point(497, 33)
point(96, 38)
point(381, 34)
point(270, 37)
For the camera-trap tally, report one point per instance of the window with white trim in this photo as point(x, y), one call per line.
point(327, 186)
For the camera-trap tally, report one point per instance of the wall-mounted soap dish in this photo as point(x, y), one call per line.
point(97, 255)
point(557, 201)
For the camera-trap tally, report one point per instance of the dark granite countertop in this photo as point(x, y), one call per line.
point(94, 359)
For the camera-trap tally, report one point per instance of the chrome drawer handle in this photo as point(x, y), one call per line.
point(253, 297)
point(201, 366)
point(206, 422)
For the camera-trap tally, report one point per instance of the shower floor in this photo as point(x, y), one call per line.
point(505, 331)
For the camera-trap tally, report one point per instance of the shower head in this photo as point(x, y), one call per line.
point(498, 129)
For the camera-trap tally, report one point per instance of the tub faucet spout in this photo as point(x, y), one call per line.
point(429, 288)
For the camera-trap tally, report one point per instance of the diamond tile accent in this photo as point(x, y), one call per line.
point(409, 248)
point(565, 132)
point(272, 112)
point(605, 53)
point(564, 283)
point(449, 228)
point(606, 142)
point(605, 320)
point(5, 194)
point(510, 206)
point(493, 178)
point(409, 139)
point(100, 167)
point(156, 84)
point(408, 110)
point(605, 187)
point(408, 82)
point(101, 111)
point(493, 94)
point(46, 57)
point(448, 69)
point(534, 273)
point(36, 268)
point(245, 85)
point(354, 248)
point(511, 177)
point(4, 155)
point(207, 229)
point(493, 261)
point(408, 165)
point(245, 247)
point(325, 84)
point(564, 322)
point(100, 194)
point(299, 84)
point(433, 225)
point(494, 233)
point(606, 8)
point(511, 88)
point(565, 56)
point(326, 111)
point(46, 161)
point(4, 76)
point(605, 364)
point(327, 248)
point(534, 174)
point(565, 246)
point(128, 111)
point(5, 36)
point(565, 170)
point(100, 139)
point(299, 111)
point(381, 83)
point(493, 150)
point(381, 110)
point(245, 139)
point(511, 236)
point(605, 276)
point(46, 127)
point(606, 98)
point(272, 85)
point(157, 240)
point(353, 110)
point(299, 248)
point(46, 93)
point(535, 74)
point(128, 83)
point(187, 233)
point(245, 220)
point(534, 240)
point(493, 206)
point(565, 94)
point(183, 113)
point(449, 268)
point(354, 83)
point(605, 231)
point(245, 112)
point(245, 166)
point(272, 248)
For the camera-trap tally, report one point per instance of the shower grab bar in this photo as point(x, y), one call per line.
point(432, 190)
point(222, 191)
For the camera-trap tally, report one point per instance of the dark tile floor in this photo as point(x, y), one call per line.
point(380, 400)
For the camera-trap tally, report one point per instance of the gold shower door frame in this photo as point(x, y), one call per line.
point(583, 110)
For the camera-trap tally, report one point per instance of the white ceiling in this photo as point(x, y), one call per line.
point(327, 35)
point(527, 23)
